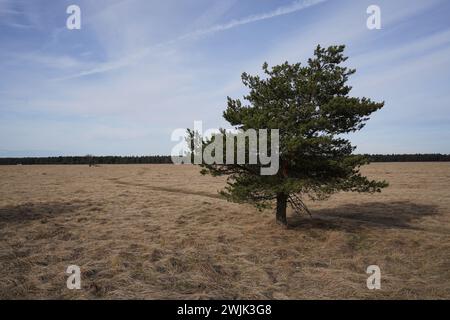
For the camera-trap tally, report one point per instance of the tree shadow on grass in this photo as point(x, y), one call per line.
point(387, 215)
point(26, 212)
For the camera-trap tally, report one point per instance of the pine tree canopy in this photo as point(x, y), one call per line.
point(311, 107)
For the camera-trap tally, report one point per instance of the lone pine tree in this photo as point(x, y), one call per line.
point(311, 107)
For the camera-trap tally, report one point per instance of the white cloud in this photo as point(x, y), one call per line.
point(139, 54)
point(280, 11)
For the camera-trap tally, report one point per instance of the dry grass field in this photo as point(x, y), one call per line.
point(160, 231)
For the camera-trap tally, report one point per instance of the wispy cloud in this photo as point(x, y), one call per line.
point(280, 11)
point(17, 14)
point(127, 60)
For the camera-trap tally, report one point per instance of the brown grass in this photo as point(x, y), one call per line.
point(160, 231)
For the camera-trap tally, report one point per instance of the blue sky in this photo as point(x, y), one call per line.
point(139, 69)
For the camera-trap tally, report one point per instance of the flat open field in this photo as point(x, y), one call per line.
point(160, 231)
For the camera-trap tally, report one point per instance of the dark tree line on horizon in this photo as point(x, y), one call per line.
point(99, 160)
point(417, 157)
point(87, 160)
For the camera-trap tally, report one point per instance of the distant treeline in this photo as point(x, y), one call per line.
point(98, 160)
point(89, 160)
point(408, 157)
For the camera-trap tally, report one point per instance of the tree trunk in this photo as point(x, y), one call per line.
point(281, 208)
